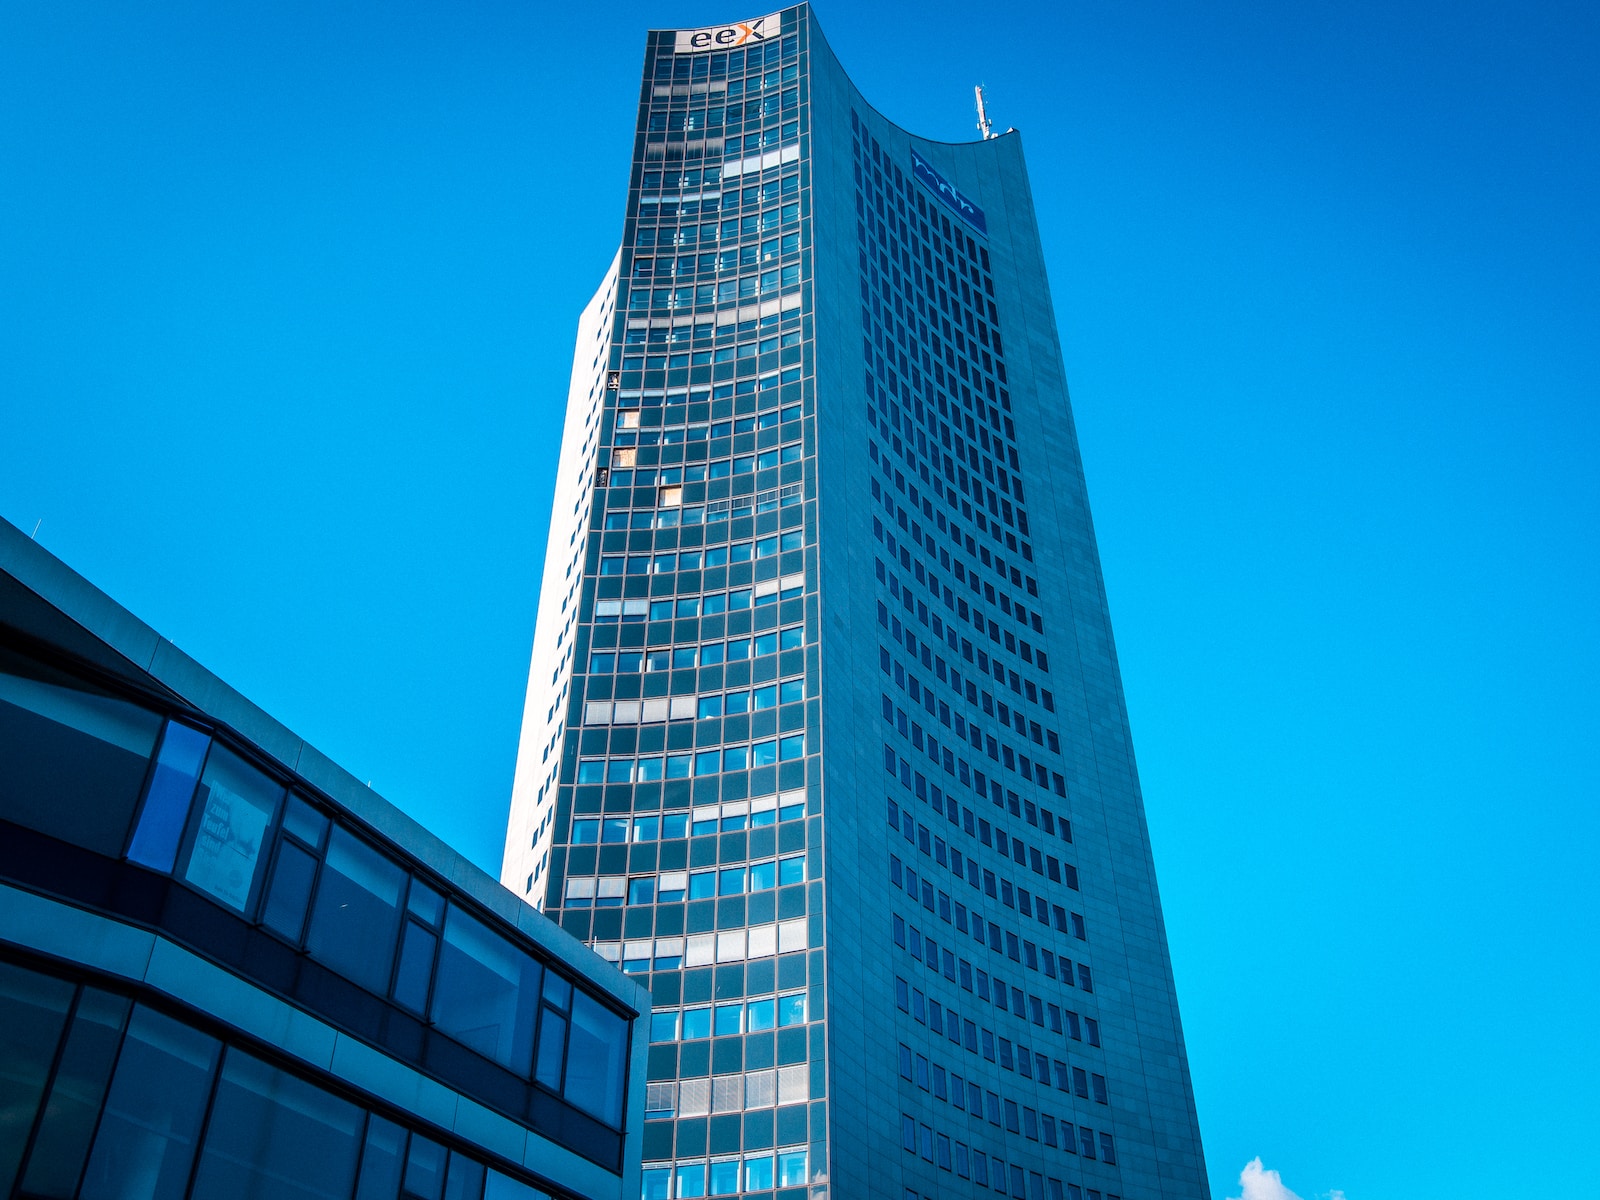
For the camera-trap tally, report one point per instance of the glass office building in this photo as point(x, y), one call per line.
point(825, 738)
point(228, 969)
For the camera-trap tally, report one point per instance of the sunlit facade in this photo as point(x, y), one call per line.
point(825, 738)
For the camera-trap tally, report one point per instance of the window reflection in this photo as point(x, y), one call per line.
point(357, 912)
point(237, 804)
point(483, 992)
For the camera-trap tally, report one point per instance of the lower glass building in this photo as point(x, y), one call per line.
point(228, 969)
point(824, 735)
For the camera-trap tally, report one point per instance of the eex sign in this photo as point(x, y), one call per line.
point(727, 37)
point(946, 191)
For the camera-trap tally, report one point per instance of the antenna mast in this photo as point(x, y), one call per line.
point(985, 126)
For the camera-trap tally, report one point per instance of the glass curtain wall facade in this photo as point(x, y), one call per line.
point(228, 969)
point(825, 737)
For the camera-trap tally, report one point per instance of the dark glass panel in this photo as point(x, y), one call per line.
point(290, 891)
point(465, 1181)
point(274, 1136)
point(596, 1059)
point(552, 1042)
point(62, 1143)
point(486, 993)
point(237, 805)
point(356, 917)
point(146, 1141)
point(416, 967)
point(166, 802)
point(425, 1167)
point(33, 1008)
point(72, 761)
point(383, 1161)
point(305, 822)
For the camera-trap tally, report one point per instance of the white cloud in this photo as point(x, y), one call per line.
point(1258, 1183)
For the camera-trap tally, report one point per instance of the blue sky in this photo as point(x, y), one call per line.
point(287, 295)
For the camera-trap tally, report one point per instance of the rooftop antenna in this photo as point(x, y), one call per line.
point(985, 126)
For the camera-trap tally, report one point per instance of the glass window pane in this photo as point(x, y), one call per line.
point(763, 1015)
point(485, 991)
point(62, 1143)
point(596, 1059)
point(305, 822)
point(465, 1180)
point(763, 876)
point(724, 1177)
point(72, 761)
point(792, 1168)
point(425, 1167)
point(274, 1134)
point(696, 1023)
point(290, 891)
point(166, 803)
point(730, 1019)
point(33, 1009)
point(422, 901)
point(792, 1009)
point(146, 1140)
point(415, 971)
point(382, 1160)
point(552, 1045)
point(758, 1173)
point(691, 1181)
point(357, 913)
point(657, 1183)
point(237, 804)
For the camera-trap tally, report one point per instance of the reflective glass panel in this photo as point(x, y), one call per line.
point(356, 917)
point(33, 1008)
point(596, 1059)
point(290, 891)
point(237, 804)
point(62, 1143)
point(166, 803)
point(272, 1133)
point(382, 1161)
point(146, 1140)
point(485, 991)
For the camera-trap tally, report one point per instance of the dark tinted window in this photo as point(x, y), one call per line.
point(357, 912)
point(33, 1009)
point(486, 993)
point(271, 1134)
point(72, 761)
point(146, 1141)
point(596, 1059)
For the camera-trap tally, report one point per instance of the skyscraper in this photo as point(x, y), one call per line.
point(825, 736)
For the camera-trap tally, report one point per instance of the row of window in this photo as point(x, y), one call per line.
point(758, 595)
point(931, 1077)
point(108, 1098)
point(685, 67)
point(965, 867)
point(728, 291)
point(676, 708)
point(941, 960)
point(965, 573)
point(975, 549)
point(966, 614)
point(650, 768)
point(676, 427)
point(952, 1155)
point(707, 654)
point(715, 556)
point(1047, 1189)
point(673, 887)
point(230, 830)
point(957, 915)
point(722, 1020)
point(724, 1177)
point(731, 114)
point(704, 949)
point(726, 818)
point(730, 1093)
